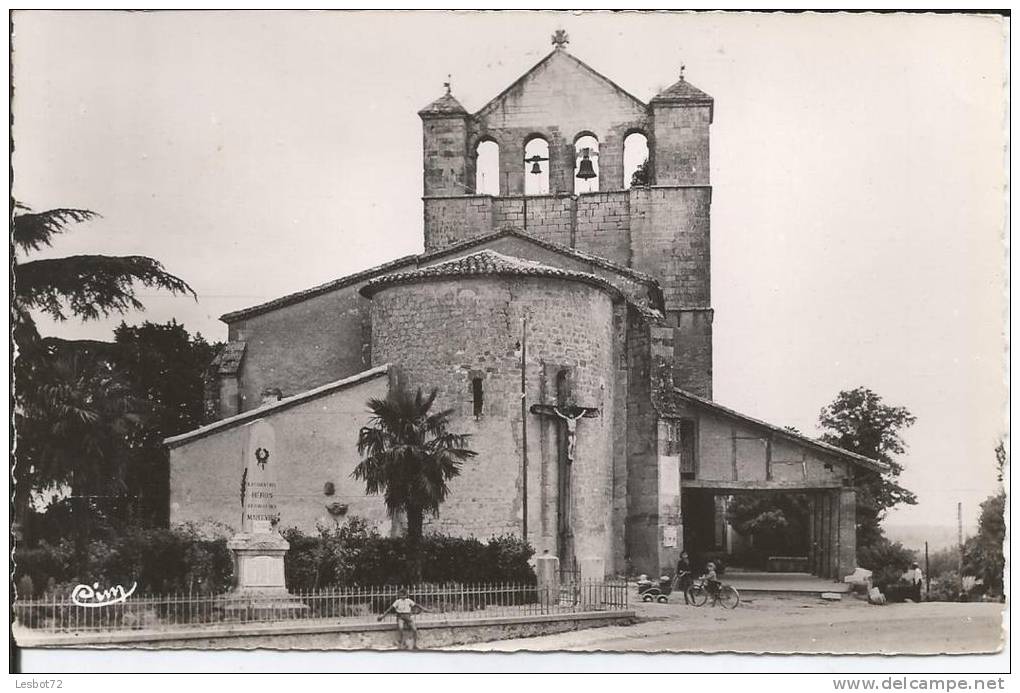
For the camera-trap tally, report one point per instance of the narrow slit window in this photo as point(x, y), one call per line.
point(476, 395)
point(688, 448)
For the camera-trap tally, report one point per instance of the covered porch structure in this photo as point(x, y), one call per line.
point(710, 455)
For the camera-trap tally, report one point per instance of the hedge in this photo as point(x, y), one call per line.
point(188, 559)
point(354, 554)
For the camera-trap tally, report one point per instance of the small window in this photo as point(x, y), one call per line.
point(681, 441)
point(476, 395)
point(688, 448)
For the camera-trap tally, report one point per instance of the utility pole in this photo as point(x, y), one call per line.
point(524, 427)
point(927, 571)
point(959, 534)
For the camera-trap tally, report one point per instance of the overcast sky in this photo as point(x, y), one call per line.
point(857, 164)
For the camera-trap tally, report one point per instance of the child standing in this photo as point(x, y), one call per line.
point(405, 608)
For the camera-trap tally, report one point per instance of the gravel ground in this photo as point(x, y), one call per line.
point(780, 624)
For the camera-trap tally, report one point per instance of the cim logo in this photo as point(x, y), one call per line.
point(90, 597)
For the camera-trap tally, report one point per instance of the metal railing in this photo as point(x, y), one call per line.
point(349, 605)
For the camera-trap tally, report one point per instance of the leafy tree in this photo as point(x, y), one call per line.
point(166, 367)
point(642, 175)
point(982, 554)
point(60, 394)
point(74, 421)
point(777, 523)
point(90, 286)
point(409, 456)
point(858, 421)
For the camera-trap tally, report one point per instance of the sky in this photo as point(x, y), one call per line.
point(858, 169)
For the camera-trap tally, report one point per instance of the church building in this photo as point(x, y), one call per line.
point(562, 308)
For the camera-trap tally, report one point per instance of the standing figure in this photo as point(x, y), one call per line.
point(684, 578)
point(915, 577)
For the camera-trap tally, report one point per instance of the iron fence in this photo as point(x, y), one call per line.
point(59, 614)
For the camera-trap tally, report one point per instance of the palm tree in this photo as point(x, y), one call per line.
point(409, 456)
point(88, 287)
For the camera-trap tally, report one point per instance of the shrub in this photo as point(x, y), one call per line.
point(887, 561)
point(159, 560)
point(43, 565)
point(355, 554)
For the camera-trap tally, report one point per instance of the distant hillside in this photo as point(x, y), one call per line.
point(914, 536)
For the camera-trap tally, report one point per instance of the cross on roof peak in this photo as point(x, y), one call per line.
point(682, 68)
point(446, 84)
point(560, 39)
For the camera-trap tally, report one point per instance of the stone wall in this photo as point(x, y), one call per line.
point(303, 345)
point(471, 328)
point(681, 152)
point(452, 219)
point(446, 170)
point(316, 442)
point(560, 101)
point(642, 471)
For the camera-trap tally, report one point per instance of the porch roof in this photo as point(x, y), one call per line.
point(781, 432)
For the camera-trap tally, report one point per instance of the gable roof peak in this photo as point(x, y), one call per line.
point(557, 53)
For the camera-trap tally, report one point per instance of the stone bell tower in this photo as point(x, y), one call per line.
point(659, 227)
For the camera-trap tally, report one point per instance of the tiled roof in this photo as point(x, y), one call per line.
point(299, 296)
point(655, 292)
point(596, 260)
point(682, 91)
point(486, 263)
point(445, 104)
point(228, 361)
point(783, 432)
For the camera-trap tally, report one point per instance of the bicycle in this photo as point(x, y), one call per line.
point(726, 595)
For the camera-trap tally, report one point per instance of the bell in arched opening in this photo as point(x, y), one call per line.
point(585, 170)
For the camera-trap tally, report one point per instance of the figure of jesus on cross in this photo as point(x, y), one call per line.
point(569, 415)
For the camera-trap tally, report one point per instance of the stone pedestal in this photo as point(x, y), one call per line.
point(259, 582)
point(592, 569)
point(547, 570)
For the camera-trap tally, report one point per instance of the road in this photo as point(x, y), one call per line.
point(786, 625)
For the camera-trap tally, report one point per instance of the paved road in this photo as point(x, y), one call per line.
point(792, 624)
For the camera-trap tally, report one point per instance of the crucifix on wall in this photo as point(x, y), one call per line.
point(569, 415)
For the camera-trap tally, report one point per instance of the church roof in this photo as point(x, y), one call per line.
point(317, 290)
point(487, 263)
point(285, 403)
point(780, 431)
point(444, 105)
point(596, 260)
point(556, 54)
point(415, 261)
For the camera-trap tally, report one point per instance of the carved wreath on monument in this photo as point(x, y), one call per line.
point(262, 456)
